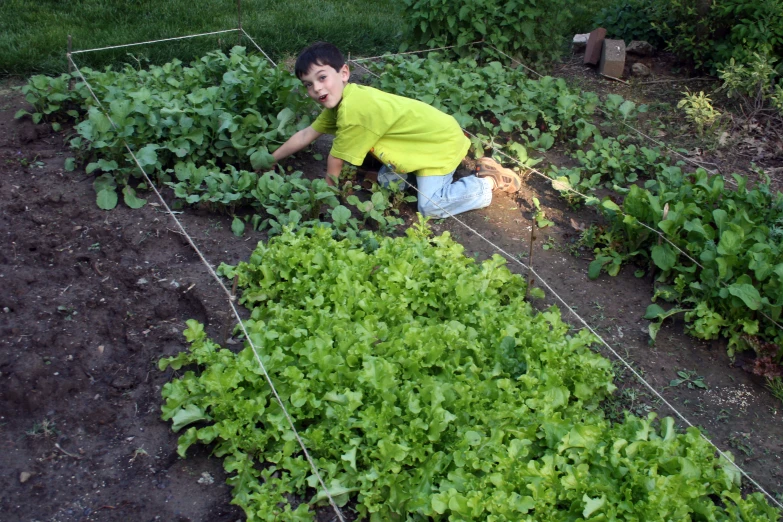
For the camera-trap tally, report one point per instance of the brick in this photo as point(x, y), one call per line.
point(594, 43)
point(612, 58)
point(580, 42)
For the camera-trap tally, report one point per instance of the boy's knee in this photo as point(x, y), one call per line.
point(429, 209)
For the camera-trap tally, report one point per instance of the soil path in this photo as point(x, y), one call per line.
point(91, 300)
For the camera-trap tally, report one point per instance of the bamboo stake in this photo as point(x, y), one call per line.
point(239, 19)
point(70, 65)
point(530, 256)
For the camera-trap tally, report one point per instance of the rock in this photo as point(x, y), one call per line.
point(123, 382)
point(640, 48)
point(594, 42)
point(580, 42)
point(612, 58)
point(639, 69)
point(24, 476)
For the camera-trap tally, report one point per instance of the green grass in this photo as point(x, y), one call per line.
point(34, 35)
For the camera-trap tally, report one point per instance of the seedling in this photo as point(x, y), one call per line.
point(45, 428)
point(689, 379)
point(742, 443)
point(138, 453)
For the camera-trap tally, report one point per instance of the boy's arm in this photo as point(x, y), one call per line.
point(295, 143)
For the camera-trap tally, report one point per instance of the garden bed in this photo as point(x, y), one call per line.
point(93, 299)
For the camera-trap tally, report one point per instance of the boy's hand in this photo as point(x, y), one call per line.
point(262, 160)
point(334, 166)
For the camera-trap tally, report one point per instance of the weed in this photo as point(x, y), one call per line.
point(45, 428)
point(775, 385)
point(742, 443)
point(140, 452)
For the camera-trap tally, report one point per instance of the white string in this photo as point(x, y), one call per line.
point(231, 300)
point(601, 339)
point(152, 41)
point(258, 47)
point(417, 52)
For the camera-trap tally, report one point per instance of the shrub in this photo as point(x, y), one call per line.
point(753, 83)
point(631, 20)
point(708, 33)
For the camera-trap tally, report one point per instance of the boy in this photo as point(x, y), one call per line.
point(406, 135)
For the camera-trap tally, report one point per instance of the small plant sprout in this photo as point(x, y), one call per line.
point(689, 379)
point(45, 428)
point(139, 452)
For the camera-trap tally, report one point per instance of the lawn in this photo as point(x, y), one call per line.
point(34, 35)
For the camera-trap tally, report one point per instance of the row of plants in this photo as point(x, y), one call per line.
point(271, 201)
point(229, 109)
point(500, 105)
point(426, 388)
point(716, 301)
point(730, 283)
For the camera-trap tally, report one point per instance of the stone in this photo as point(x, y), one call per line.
point(580, 42)
point(639, 69)
point(612, 58)
point(594, 42)
point(640, 48)
point(24, 476)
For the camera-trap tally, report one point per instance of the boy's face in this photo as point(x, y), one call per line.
point(325, 85)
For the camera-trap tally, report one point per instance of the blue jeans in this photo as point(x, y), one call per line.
point(441, 196)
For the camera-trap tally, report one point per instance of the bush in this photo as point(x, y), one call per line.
point(533, 32)
point(631, 20)
point(708, 33)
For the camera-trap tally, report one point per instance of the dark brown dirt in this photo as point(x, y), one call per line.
point(91, 300)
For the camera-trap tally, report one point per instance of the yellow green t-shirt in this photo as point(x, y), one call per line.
point(408, 134)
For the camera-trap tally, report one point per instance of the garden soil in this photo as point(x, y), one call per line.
point(91, 300)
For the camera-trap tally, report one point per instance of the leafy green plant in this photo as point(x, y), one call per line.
point(613, 162)
point(227, 109)
point(709, 34)
point(524, 29)
point(540, 216)
point(489, 99)
point(699, 110)
point(689, 379)
point(753, 83)
point(630, 20)
point(738, 281)
point(425, 387)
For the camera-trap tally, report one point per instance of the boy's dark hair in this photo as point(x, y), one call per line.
point(320, 53)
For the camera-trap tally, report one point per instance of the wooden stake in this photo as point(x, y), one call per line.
point(530, 256)
point(70, 65)
point(239, 19)
point(660, 240)
point(226, 334)
point(615, 79)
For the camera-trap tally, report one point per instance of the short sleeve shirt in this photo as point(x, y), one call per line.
point(407, 134)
